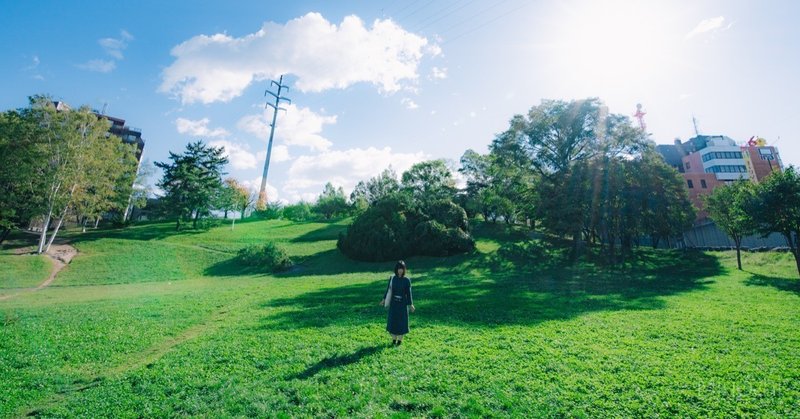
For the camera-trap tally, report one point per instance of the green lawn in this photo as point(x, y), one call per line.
point(21, 271)
point(145, 322)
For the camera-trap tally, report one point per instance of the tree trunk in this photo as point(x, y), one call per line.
point(233, 222)
point(178, 225)
point(226, 214)
point(196, 216)
point(576, 238)
point(5, 234)
point(738, 242)
point(96, 222)
point(43, 236)
point(83, 230)
point(53, 236)
point(793, 247)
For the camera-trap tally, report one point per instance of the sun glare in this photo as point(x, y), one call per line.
point(615, 43)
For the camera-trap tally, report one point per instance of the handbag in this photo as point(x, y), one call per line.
point(388, 297)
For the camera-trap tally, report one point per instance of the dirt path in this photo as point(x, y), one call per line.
point(61, 254)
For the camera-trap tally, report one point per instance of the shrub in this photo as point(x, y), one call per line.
point(300, 211)
point(267, 256)
point(271, 212)
point(394, 228)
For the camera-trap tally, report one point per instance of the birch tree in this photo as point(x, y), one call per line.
point(74, 153)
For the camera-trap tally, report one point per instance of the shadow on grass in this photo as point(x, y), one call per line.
point(783, 284)
point(329, 232)
point(489, 290)
point(19, 240)
point(338, 361)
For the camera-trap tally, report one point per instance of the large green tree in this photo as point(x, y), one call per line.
point(66, 160)
point(776, 208)
point(429, 181)
point(191, 181)
point(20, 187)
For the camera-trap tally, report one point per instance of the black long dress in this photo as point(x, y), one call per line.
point(397, 322)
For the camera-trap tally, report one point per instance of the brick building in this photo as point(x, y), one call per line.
point(708, 161)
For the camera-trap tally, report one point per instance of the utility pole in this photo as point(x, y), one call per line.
point(262, 194)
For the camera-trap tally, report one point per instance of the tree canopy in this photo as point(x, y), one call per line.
point(191, 181)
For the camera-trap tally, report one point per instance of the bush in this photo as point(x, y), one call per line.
point(267, 256)
point(271, 212)
point(298, 212)
point(394, 228)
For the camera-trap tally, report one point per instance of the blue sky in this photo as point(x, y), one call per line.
point(379, 83)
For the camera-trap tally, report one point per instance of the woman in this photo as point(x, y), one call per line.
point(399, 303)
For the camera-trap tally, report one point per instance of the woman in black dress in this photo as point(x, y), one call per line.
point(399, 304)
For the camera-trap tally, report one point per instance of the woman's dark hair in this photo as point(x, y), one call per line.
point(398, 265)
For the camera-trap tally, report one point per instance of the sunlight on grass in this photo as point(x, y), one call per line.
point(173, 326)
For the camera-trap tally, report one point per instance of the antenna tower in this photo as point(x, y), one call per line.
point(639, 115)
point(262, 194)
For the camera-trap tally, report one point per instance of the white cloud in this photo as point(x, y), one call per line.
point(280, 153)
point(300, 127)
point(112, 47)
point(239, 155)
point(115, 46)
point(439, 73)
point(34, 63)
point(199, 128)
point(345, 168)
point(100, 66)
point(408, 103)
point(33, 68)
point(320, 54)
point(708, 25)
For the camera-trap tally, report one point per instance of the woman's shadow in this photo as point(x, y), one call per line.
point(338, 361)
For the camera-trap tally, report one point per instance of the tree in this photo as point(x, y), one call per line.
point(665, 210)
point(191, 181)
point(559, 133)
point(69, 161)
point(395, 227)
point(376, 188)
point(109, 179)
point(728, 207)
point(300, 211)
point(227, 198)
point(776, 207)
point(20, 186)
point(429, 181)
point(331, 202)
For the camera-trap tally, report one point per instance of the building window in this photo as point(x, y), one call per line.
point(689, 183)
point(703, 183)
point(688, 166)
point(727, 169)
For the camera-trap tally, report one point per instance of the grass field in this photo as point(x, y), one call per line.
point(146, 322)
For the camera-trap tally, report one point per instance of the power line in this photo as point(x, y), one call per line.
point(427, 25)
point(472, 17)
point(407, 6)
point(415, 11)
point(446, 10)
point(486, 23)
